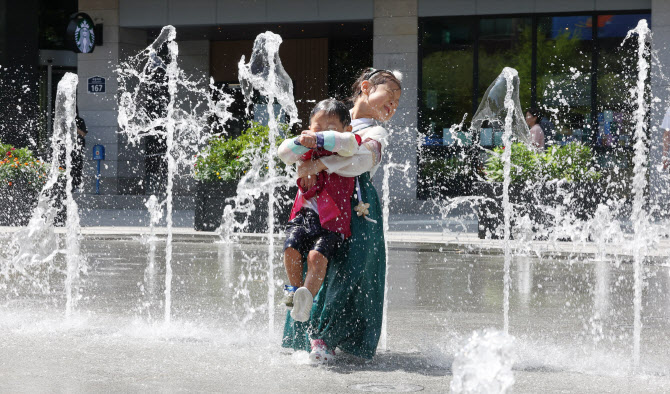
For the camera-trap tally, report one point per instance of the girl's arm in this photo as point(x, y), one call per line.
point(344, 144)
point(367, 157)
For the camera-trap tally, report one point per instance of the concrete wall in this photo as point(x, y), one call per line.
point(395, 47)
point(142, 13)
point(99, 110)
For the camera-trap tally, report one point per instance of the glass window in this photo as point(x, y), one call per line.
point(447, 73)
point(461, 56)
point(564, 52)
point(447, 47)
point(54, 16)
point(505, 42)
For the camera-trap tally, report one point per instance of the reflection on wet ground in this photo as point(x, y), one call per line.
point(572, 319)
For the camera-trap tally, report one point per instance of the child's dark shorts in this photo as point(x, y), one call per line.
point(304, 233)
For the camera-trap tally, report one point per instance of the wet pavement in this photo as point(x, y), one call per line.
point(571, 316)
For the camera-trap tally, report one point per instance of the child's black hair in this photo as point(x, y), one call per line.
point(333, 107)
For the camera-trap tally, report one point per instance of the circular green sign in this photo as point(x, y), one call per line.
point(81, 33)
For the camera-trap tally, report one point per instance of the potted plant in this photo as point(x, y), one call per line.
point(21, 179)
point(540, 182)
point(218, 169)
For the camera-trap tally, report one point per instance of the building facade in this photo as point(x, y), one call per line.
point(567, 53)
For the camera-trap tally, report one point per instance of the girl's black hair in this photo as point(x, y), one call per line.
point(333, 107)
point(376, 77)
point(535, 111)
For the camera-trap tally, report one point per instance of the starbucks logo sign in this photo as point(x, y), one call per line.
point(81, 33)
point(84, 36)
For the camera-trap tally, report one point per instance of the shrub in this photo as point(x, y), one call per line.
point(525, 164)
point(226, 159)
point(571, 162)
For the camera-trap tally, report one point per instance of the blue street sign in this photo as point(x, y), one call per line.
point(96, 85)
point(98, 152)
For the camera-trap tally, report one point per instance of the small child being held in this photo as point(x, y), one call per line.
point(321, 215)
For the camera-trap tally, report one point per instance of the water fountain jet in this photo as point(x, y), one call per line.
point(150, 105)
point(265, 73)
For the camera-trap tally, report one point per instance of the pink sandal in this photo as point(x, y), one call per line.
point(321, 353)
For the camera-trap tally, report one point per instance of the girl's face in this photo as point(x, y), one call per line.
point(382, 99)
point(530, 119)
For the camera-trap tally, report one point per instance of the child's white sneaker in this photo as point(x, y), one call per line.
point(321, 353)
point(302, 304)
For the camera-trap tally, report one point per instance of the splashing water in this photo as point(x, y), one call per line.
point(386, 198)
point(75, 262)
point(151, 88)
point(155, 209)
point(265, 73)
point(638, 215)
point(148, 287)
point(37, 244)
point(511, 104)
point(495, 106)
point(484, 364)
point(501, 105)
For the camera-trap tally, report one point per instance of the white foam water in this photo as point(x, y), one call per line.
point(484, 364)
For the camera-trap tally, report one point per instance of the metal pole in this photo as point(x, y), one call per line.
point(97, 180)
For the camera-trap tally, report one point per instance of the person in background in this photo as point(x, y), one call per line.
point(665, 126)
point(78, 151)
point(533, 118)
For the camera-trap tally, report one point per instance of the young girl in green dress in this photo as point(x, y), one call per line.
point(347, 311)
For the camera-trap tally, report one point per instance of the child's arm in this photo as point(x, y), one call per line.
point(290, 152)
point(366, 158)
point(344, 144)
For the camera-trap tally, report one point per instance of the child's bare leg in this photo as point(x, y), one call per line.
point(316, 271)
point(293, 265)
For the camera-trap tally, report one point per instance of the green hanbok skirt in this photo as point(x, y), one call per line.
point(347, 311)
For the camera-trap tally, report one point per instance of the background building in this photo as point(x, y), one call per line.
point(568, 54)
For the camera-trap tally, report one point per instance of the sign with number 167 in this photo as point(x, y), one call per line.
point(96, 85)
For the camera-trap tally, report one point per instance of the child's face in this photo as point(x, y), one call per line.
point(321, 121)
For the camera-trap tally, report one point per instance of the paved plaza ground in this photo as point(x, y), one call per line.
point(571, 317)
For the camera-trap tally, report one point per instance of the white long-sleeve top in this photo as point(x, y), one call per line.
point(368, 155)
